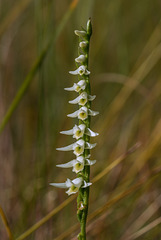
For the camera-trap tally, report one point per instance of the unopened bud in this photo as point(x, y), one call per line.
point(80, 59)
point(80, 33)
point(83, 44)
point(89, 27)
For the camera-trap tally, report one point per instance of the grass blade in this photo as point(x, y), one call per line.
point(35, 68)
point(4, 219)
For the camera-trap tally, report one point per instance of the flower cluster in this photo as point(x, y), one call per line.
point(80, 132)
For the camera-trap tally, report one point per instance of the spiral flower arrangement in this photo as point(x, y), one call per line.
point(81, 132)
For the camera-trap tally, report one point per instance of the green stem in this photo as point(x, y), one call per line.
point(83, 195)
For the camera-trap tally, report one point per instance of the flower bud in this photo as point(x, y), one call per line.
point(83, 44)
point(80, 33)
point(80, 59)
point(89, 28)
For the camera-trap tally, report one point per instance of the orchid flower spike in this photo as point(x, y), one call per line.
point(81, 131)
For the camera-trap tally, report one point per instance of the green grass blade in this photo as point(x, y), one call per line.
point(35, 68)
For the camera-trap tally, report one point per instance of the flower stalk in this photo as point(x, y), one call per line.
point(83, 195)
point(81, 132)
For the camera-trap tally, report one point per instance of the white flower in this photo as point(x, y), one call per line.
point(90, 133)
point(77, 147)
point(82, 70)
point(90, 145)
point(83, 44)
point(73, 185)
point(78, 131)
point(78, 163)
point(83, 113)
point(80, 59)
point(80, 33)
point(81, 85)
point(82, 99)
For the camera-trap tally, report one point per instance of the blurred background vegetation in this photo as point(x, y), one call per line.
point(125, 59)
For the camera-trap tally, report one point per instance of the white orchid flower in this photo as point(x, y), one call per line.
point(79, 130)
point(77, 147)
point(78, 163)
point(81, 85)
point(80, 59)
point(90, 133)
point(83, 113)
point(80, 33)
point(82, 70)
point(72, 185)
point(82, 99)
point(83, 44)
